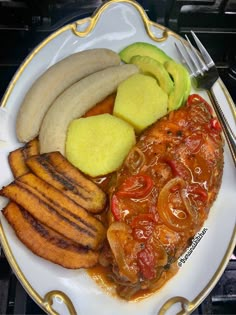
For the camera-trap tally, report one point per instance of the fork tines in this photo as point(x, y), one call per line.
point(197, 64)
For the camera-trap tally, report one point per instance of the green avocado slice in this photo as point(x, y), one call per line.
point(154, 68)
point(143, 49)
point(189, 86)
point(182, 84)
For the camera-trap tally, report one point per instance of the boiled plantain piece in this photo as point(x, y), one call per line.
point(53, 82)
point(17, 157)
point(75, 101)
point(47, 243)
point(57, 171)
point(48, 205)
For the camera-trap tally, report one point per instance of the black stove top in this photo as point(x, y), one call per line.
point(24, 24)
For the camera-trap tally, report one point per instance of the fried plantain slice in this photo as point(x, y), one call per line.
point(31, 148)
point(47, 243)
point(17, 164)
point(56, 170)
point(17, 157)
point(60, 202)
point(55, 210)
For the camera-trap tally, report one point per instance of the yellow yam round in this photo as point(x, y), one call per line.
point(98, 145)
point(75, 101)
point(140, 101)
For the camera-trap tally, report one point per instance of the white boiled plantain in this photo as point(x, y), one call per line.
point(53, 82)
point(75, 101)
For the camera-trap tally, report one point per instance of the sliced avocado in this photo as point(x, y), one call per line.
point(143, 49)
point(140, 101)
point(182, 84)
point(154, 68)
point(189, 86)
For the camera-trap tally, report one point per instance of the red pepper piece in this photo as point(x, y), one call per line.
point(115, 209)
point(199, 192)
point(146, 263)
point(136, 186)
point(196, 99)
point(178, 169)
point(215, 124)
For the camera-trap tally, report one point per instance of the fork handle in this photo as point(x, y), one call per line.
point(228, 132)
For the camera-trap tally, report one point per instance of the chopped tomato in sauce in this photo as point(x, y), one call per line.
point(162, 194)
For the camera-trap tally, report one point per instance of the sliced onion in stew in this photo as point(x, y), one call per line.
point(135, 160)
point(172, 201)
point(118, 235)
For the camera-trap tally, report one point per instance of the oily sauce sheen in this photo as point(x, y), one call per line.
point(159, 199)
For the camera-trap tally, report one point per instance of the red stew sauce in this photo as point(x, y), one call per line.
point(159, 199)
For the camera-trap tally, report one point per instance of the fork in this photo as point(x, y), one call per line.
point(203, 70)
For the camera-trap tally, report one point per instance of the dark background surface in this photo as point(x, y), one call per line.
point(24, 24)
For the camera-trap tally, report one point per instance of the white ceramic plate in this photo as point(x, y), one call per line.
point(115, 25)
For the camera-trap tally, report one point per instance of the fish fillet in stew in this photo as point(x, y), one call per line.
point(162, 196)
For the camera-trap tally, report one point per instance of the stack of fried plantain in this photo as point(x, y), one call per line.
point(52, 206)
